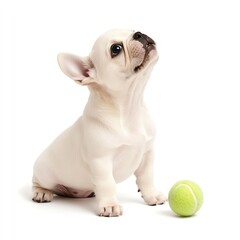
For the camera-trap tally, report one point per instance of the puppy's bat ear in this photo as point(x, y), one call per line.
point(77, 68)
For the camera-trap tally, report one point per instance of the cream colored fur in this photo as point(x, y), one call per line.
point(113, 139)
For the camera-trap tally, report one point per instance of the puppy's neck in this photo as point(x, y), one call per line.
point(130, 99)
point(127, 105)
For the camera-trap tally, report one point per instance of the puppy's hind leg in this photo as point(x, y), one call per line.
point(41, 195)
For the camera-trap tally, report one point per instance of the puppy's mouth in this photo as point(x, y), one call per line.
point(148, 45)
point(146, 58)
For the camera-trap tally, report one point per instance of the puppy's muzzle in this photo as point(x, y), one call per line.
point(148, 43)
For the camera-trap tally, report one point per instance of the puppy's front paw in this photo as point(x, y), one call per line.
point(110, 211)
point(154, 197)
point(41, 195)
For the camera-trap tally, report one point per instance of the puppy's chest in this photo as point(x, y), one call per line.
point(128, 156)
point(135, 139)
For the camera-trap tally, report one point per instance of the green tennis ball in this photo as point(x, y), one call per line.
point(185, 198)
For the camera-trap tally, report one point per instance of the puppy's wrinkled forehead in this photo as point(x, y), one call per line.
point(110, 37)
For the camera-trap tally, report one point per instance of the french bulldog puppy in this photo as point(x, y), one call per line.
point(113, 138)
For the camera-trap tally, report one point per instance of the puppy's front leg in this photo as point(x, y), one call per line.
point(144, 175)
point(105, 187)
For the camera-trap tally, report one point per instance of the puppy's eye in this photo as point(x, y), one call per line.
point(116, 49)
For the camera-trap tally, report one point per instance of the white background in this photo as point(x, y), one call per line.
point(193, 94)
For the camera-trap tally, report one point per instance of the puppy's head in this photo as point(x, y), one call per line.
point(118, 58)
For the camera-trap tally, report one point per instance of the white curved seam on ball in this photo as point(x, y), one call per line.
point(196, 201)
point(183, 184)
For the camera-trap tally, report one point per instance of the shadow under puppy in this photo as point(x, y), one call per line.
point(113, 139)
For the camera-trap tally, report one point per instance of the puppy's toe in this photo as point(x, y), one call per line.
point(41, 195)
point(110, 211)
point(155, 199)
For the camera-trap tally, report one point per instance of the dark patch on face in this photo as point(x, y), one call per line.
point(148, 43)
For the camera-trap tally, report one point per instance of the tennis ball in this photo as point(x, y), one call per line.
point(185, 198)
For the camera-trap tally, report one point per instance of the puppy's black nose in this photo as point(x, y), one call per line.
point(143, 38)
point(137, 35)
